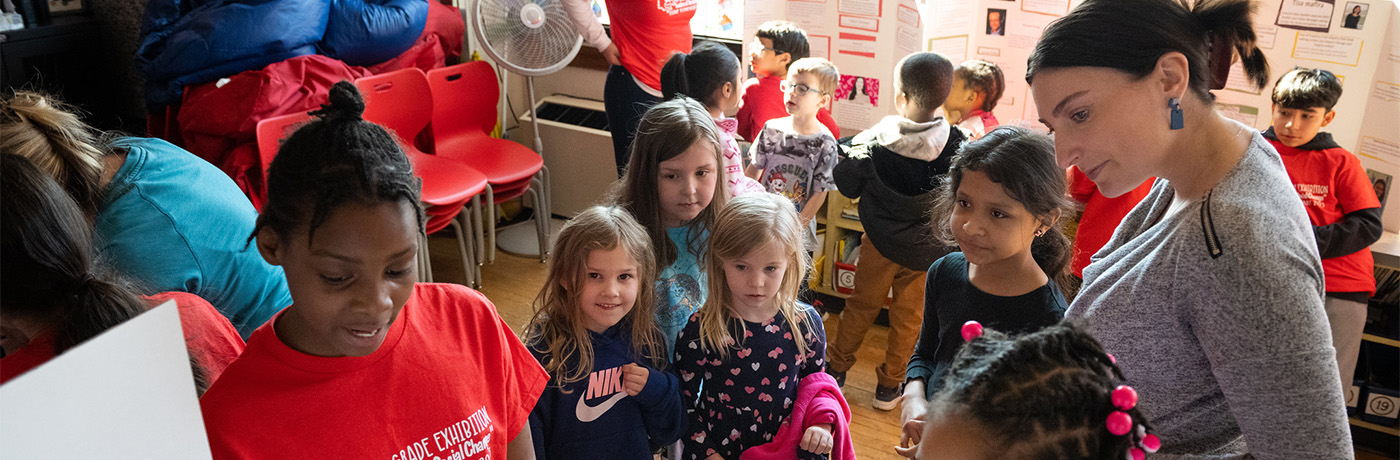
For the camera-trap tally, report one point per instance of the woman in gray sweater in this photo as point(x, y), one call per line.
point(1210, 292)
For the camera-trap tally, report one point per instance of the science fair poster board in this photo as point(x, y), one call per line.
point(863, 38)
point(126, 394)
point(1003, 32)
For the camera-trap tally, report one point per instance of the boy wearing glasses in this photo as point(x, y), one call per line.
point(776, 45)
point(893, 168)
point(793, 156)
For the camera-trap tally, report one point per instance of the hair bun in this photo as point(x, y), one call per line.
point(345, 103)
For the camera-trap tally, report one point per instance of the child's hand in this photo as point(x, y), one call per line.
point(634, 378)
point(817, 439)
point(909, 436)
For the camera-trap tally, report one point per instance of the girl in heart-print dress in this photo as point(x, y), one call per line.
point(738, 394)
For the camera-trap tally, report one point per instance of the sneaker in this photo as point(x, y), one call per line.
point(887, 398)
point(839, 376)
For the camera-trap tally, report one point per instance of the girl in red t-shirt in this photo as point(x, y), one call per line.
point(366, 362)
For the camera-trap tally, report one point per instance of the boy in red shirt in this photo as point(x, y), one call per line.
point(776, 45)
point(1345, 213)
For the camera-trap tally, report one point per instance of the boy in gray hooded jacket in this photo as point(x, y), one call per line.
point(893, 168)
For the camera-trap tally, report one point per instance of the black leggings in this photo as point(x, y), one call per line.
point(625, 102)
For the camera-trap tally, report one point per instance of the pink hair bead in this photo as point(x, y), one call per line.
point(1136, 454)
point(971, 330)
point(1119, 423)
point(1124, 397)
point(1111, 359)
point(1151, 443)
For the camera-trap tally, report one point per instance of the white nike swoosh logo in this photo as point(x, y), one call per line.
point(587, 413)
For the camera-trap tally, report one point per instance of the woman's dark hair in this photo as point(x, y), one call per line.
point(1022, 162)
point(49, 271)
point(700, 74)
point(1043, 395)
point(983, 76)
point(1131, 35)
point(336, 159)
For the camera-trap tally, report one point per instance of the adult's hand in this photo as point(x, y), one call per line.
point(612, 55)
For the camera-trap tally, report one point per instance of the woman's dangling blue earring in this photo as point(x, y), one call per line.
point(1175, 105)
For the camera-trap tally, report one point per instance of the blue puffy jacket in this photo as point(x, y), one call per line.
point(366, 33)
point(186, 42)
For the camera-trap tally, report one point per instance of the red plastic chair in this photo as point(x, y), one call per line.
point(270, 132)
point(464, 113)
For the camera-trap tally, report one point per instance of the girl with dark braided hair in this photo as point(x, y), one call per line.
point(366, 363)
point(1052, 394)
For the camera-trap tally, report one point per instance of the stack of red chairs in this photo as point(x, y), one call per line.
point(464, 113)
point(401, 101)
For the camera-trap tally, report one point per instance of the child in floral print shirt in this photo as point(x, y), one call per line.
point(743, 355)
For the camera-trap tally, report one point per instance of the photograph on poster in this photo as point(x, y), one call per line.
point(1381, 183)
point(996, 21)
point(857, 101)
point(1355, 17)
point(1313, 15)
point(864, 90)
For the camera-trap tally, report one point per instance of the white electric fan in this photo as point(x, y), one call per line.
point(530, 38)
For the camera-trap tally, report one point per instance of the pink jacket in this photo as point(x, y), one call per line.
point(819, 401)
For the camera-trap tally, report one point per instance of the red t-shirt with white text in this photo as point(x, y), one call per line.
point(646, 32)
point(1332, 184)
point(450, 381)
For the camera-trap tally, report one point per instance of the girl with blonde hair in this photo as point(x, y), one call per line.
point(742, 357)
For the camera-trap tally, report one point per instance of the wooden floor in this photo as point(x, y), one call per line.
point(512, 282)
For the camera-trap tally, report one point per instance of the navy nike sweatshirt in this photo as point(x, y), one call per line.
point(594, 417)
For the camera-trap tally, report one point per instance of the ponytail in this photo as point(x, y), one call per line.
point(700, 74)
point(95, 304)
point(50, 135)
point(1132, 35)
point(674, 79)
point(1052, 252)
point(48, 270)
point(1231, 32)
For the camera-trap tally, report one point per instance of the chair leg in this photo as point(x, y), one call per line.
point(490, 224)
point(544, 188)
point(462, 242)
point(425, 265)
point(541, 224)
point(478, 228)
point(473, 214)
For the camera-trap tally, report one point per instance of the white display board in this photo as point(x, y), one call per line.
point(126, 394)
point(864, 38)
